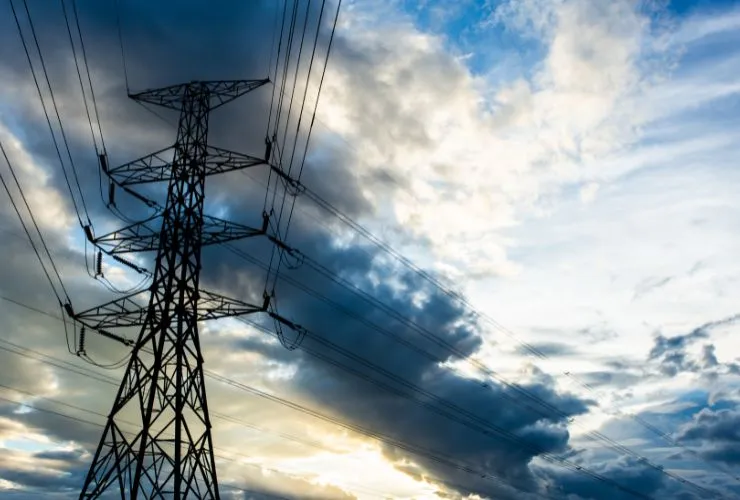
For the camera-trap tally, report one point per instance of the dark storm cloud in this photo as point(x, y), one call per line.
point(717, 434)
point(60, 473)
point(355, 400)
point(64, 456)
point(626, 471)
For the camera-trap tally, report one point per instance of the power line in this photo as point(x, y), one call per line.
point(89, 77)
point(310, 128)
point(437, 457)
point(458, 297)
point(547, 409)
point(79, 74)
point(550, 408)
point(36, 226)
point(120, 42)
point(98, 425)
point(56, 110)
point(276, 129)
point(478, 424)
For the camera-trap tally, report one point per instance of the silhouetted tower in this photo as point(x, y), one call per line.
point(157, 440)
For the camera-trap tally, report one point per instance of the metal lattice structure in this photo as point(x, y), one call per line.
point(169, 452)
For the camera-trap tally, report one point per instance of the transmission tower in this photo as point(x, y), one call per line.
point(157, 441)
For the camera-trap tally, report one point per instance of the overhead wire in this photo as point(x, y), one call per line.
point(97, 272)
point(120, 42)
point(477, 424)
point(542, 407)
point(458, 297)
point(437, 457)
point(268, 140)
point(665, 436)
point(471, 420)
point(550, 408)
point(99, 425)
point(38, 231)
point(102, 150)
point(56, 111)
point(276, 127)
point(284, 236)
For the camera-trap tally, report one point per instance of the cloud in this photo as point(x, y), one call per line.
point(670, 352)
point(717, 434)
point(625, 471)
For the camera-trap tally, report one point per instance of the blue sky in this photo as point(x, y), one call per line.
point(567, 165)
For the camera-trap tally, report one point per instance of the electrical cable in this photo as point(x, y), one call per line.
point(458, 297)
point(420, 451)
point(276, 128)
point(473, 421)
point(96, 424)
point(43, 105)
point(548, 410)
point(60, 123)
point(54, 105)
point(30, 239)
point(310, 129)
point(120, 42)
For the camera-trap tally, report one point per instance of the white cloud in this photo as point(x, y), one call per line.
point(472, 172)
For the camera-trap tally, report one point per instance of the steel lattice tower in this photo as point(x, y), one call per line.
point(169, 454)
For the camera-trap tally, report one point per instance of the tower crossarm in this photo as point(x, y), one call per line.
point(217, 230)
point(218, 92)
point(157, 166)
point(122, 312)
point(137, 237)
point(144, 236)
point(214, 306)
point(153, 167)
point(126, 311)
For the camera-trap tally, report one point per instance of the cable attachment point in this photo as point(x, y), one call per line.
point(268, 149)
point(292, 186)
point(103, 159)
point(300, 332)
point(293, 259)
point(68, 309)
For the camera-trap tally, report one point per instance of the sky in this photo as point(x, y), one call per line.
point(559, 172)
